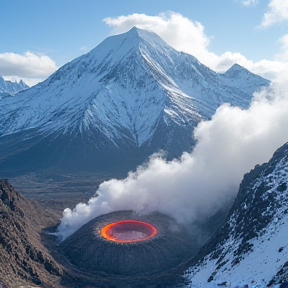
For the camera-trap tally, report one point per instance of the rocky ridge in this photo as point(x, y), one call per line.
point(24, 260)
point(9, 88)
point(251, 246)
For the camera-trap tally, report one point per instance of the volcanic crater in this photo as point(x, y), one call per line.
point(128, 231)
point(128, 244)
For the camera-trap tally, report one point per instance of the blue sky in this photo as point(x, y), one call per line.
point(38, 37)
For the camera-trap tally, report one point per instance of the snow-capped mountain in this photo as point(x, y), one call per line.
point(8, 88)
point(133, 94)
point(252, 245)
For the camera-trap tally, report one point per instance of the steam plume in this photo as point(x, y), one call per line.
point(195, 187)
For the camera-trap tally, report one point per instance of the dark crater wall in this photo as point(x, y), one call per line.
point(88, 250)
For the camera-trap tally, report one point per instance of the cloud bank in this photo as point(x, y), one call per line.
point(277, 12)
point(195, 187)
point(26, 66)
point(189, 36)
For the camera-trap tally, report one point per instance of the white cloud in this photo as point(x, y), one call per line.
point(277, 12)
point(194, 187)
point(28, 66)
point(283, 55)
point(83, 48)
point(189, 36)
point(178, 31)
point(250, 2)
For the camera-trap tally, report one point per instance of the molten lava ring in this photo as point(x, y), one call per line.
point(125, 243)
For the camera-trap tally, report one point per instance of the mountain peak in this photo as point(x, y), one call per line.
point(12, 87)
point(235, 68)
point(132, 90)
point(145, 34)
point(115, 47)
point(133, 30)
point(244, 76)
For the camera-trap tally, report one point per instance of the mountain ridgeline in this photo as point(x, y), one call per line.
point(9, 88)
point(131, 96)
point(252, 242)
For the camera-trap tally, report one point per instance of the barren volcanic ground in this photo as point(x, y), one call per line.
point(59, 190)
point(32, 257)
point(25, 259)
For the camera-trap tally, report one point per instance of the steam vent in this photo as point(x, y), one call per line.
point(124, 243)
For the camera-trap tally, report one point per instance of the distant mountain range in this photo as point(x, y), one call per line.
point(9, 88)
point(131, 96)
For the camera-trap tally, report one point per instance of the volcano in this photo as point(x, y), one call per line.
point(127, 244)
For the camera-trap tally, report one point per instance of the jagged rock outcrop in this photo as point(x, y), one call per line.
point(9, 88)
point(252, 243)
point(24, 259)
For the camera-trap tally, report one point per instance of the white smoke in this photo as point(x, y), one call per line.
point(190, 189)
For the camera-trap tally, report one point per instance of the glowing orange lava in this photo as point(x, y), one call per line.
point(127, 231)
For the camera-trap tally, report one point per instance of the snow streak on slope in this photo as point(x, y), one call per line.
point(252, 247)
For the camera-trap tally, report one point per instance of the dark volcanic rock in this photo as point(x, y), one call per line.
point(23, 259)
point(32, 258)
point(88, 250)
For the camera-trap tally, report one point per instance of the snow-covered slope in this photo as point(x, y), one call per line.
point(252, 245)
point(8, 88)
point(133, 91)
